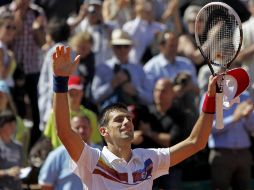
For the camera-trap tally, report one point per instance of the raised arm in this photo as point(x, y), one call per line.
point(63, 68)
point(201, 131)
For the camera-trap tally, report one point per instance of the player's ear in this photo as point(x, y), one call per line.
point(103, 131)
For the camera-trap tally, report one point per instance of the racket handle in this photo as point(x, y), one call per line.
point(219, 111)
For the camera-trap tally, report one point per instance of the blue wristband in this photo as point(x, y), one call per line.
point(60, 84)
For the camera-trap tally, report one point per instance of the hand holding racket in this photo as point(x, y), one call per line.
point(218, 34)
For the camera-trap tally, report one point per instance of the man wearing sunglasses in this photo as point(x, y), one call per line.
point(119, 80)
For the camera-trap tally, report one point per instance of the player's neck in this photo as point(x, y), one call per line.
point(123, 152)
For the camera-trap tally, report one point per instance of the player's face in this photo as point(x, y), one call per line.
point(120, 126)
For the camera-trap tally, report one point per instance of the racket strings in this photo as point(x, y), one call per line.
point(219, 41)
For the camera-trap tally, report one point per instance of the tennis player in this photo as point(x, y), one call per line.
point(117, 166)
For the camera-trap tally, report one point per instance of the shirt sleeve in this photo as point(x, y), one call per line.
point(86, 163)
point(161, 160)
point(49, 171)
point(101, 84)
point(145, 89)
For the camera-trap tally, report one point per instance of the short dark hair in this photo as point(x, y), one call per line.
point(6, 117)
point(59, 30)
point(103, 117)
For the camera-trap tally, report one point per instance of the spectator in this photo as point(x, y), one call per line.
point(171, 16)
point(187, 45)
point(179, 70)
point(118, 11)
point(162, 127)
point(6, 103)
point(55, 172)
point(30, 36)
point(10, 153)
point(118, 79)
point(58, 32)
point(167, 63)
point(245, 56)
point(90, 20)
point(54, 11)
point(75, 94)
point(7, 60)
point(230, 156)
point(82, 44)
point(143, 29)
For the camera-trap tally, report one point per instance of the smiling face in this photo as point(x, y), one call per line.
point(119, 127)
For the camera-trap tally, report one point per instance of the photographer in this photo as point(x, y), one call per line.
point(119, 80)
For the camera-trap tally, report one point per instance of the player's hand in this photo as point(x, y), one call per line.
point(62, 63)
point(212, 86)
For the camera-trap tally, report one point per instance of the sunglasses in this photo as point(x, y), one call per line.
point(10, 27)
point(121, 46)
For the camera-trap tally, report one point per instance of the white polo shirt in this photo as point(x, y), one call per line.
point(102, 170)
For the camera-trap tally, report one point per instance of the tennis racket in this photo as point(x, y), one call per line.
point(218, 34)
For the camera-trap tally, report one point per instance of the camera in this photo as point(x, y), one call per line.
point(182, 79)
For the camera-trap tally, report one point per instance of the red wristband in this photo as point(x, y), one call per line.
point(209, 105)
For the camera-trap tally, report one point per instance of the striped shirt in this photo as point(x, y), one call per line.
point(104, 170)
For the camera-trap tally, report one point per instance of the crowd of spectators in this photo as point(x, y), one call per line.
point(138, 52)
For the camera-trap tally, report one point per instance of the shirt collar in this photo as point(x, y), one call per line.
point(163, 61)
point(111, 157)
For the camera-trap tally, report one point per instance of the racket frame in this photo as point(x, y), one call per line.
point(219, 89)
